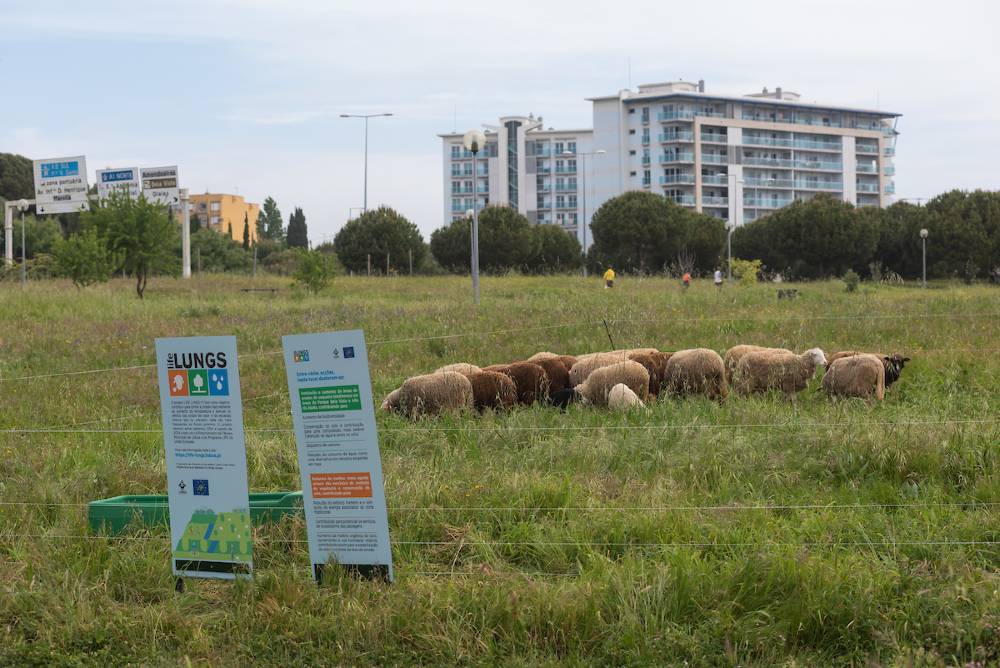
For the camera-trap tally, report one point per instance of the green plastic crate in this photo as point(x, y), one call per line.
point(115, 514)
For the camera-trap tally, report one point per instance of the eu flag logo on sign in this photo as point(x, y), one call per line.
point(200, 487)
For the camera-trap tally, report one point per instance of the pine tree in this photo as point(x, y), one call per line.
point(229, 229)
point(298, 236)
point(246, 231)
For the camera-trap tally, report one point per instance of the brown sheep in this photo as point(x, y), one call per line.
point(587, 364)
point(893, 363)
point(860, 375)
point(492, 389)
point(696, 371)
point(529, 379)
point(765, 370)
point(435, 393)
point(655, 375)
point(557, 374)
point(568, 361)
point(633, 374)
point(736, 353)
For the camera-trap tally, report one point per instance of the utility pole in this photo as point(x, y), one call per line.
point(365, 117)
point(185, 234)
point(474, 140)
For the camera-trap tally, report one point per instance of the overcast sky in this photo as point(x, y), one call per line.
point(244, 95)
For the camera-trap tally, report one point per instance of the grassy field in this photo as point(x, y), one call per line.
point(762, 532)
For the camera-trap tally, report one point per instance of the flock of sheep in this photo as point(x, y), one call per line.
point(623, 379)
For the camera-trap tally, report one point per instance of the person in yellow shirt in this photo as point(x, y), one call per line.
point(609, 278)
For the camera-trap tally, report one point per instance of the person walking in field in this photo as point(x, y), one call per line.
point(718, 278)
point(686, 279)
point(609, 278)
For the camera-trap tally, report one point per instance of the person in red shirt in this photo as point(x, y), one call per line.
point(687, 279)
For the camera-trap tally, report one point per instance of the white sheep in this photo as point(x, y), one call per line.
point(773, 370)
point(595, 389)
point(435, 393)
point(621, 398)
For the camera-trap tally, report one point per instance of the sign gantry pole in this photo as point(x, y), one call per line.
point(185, 234)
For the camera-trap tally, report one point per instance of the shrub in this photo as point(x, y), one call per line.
point(746, 271)
point(313, 270)
point(380, 233)
point(851, 280)
point(84, 258)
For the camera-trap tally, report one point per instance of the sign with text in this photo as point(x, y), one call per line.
point(334, 415)
point(207, 489)
point(61, 185)
point(124, 181)
point(160, 185)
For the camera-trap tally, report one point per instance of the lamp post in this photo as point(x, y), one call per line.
point(366, 117)
point(474, 141)
point(22, 206)
point(583, 222)
point(923, 240)
point(736, 199)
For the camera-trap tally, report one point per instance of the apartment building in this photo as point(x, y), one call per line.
point(221, 212)
point(733, 157)
point(534, 169)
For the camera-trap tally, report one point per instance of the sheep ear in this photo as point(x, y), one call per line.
point(906, 359)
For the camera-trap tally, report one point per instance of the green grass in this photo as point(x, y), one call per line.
point(597, 540)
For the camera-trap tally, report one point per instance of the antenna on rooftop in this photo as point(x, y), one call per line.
point(454, 120)
point(629, 61)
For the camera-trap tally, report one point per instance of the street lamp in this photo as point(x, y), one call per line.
point(736, 199)
point(366, 117)
point(474, 141)
point(22, 206)
point(923, 240)
point(583, 223)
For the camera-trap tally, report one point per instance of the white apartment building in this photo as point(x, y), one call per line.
point(733, 157)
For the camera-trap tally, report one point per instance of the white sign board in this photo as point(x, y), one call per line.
point(124, 181)
point(160, 185)
point(339, 461)
point(209, 500)
point(61, 185)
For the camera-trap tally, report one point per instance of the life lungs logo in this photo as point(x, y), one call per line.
point(198, 382)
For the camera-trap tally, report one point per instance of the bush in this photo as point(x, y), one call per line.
point(746, 271)
point(313, 270)
point(380, 233)
point(212, 251)
point(851, 280)
point(84, 258)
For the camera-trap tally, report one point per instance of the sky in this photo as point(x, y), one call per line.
point(245, 96)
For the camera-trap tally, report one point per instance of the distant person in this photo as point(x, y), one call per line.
point(609, 278)
point(718, 278)
point(686, 279)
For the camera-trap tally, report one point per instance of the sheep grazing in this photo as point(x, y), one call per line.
point(655, 373)
point(595, 389)
point(861, 375)
point(696, 371)
point(391, 401)
point(568, 361)
point(564, 398)
point(542, 356)
point(460, 367)
point(736, 353)
point(529, 380)
point(556, 373)
point(492, 389)
point(622, 398)
point(588, 363)
point(893, 363)
point(435, 393)
point(765, 370)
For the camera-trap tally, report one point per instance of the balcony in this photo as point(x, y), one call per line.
point(686, 200)
point(542, 152)
point(715, 179)
point(566, 205)
point(565, 170)
point(675, 115)
point(543, 187)
point(676, 156)
point(866, 149)
point(543, 170)
point(796, 120)
point(890, 170)
point(677, 178)
point(458, 208)
point(766, 202)
point(679, 135)
point(818, 185)
point(714, 201)
point(816, 145)
point(566, 187)
point(889, 151)
point(828, 165)
point(890, 188)
point(768, 162)
point(715, 158)
point(714, 138)
point(766, 141)
point(783, 184)
point(646, 159)
point(867, 168)
point(646, 183)
point(867, 187)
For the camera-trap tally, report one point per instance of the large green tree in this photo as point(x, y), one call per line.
point(450, 245)
point(17, 180)
point(646, 233)
point(140, 232)
point(272, 223)
point(382, 233)
point(554, 250)
point(298, 235)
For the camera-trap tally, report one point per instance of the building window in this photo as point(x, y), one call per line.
point(573, 219)
point(560, 183)
point(631, 131)
point(215, 206)
point(631, 110)
point(632, 152)
point(572, 183)
point(456, 151)
point(560, 165)
point(645, 114)
point(571, 147)
point(560, 202)
point(645, 135)
point(572, 201)
point(571, 164)
point(559, 148)
point(214, 220)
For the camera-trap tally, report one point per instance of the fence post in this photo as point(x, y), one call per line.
point(411, 261)
point(369, 264)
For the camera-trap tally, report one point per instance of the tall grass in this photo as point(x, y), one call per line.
point(761, 532)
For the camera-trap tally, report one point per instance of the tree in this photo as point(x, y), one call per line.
point(382, 233)
point(273, 223)
point(229, 230)
point(450, 245)
point(17, 180)
point(298, 236)
point(554, 250)
point(217, 252)
point(314, 270)
point(141, 232)
point(505, 240)
point(246, 231)
point(644, 232)
point(84, 258)
point(40, 235)
point(195, 223)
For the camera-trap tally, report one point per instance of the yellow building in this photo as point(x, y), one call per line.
point(219, 211)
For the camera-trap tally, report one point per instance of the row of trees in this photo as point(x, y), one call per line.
point(826, 237)
point(270, 226)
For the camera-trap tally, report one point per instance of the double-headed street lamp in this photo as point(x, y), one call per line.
point(583, 222)
point(474, 141)
point(366, 117)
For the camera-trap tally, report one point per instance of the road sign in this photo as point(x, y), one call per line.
point(61, 185)
point(208, 496)
point(160, 185)
point(339, 461)
point(124, 181)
